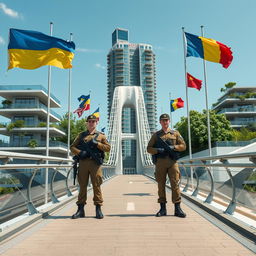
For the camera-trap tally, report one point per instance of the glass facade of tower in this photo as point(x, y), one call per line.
point(132, 64)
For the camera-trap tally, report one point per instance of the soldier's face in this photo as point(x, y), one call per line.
point(91, 124)
point(165, 123)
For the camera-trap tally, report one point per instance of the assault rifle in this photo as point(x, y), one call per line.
point(174, 155)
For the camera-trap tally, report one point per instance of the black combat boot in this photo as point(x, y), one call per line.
point(79, 213)
point(178, 211)
point(99, 214)
point(162, 211)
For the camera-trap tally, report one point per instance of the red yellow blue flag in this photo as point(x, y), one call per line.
point(84, 105)
point(31, 49)
point(208, 49)
point(177, 103)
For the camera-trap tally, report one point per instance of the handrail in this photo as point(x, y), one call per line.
point(39, 162)
point(223, 161)
point(218, 157)
point(5, 154)
point(220, 161)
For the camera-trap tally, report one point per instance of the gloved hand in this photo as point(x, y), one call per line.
point(83, 154)
point(172, 147)
point(160, 150)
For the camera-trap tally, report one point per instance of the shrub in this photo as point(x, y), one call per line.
point(32, 143)
point(41, 124)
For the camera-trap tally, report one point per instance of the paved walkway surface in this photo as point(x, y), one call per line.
point(129, 228)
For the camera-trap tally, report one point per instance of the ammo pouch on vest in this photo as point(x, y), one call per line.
point(95, 153)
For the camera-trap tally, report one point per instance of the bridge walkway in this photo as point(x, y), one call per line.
point(129, 228)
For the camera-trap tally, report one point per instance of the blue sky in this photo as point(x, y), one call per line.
point(158, 23)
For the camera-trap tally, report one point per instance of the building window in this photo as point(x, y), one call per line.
point(23, 102)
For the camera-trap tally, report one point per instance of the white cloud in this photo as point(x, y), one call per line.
point(88, 50)
point(98, 65)
point(2, 40)
point(8, 11)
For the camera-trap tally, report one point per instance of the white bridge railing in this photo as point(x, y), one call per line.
point(21, 174)
point(231, 177)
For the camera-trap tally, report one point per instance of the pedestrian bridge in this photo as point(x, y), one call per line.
point(220, 219)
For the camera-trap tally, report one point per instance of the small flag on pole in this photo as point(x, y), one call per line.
point(208, 49)
point(97, 113)
point(194, 82)
point(31, 49)
point(177, 103)
point(84, 105)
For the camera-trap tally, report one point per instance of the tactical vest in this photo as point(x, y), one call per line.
point(97, 152)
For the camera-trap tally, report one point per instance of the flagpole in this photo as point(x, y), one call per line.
point(90, 102)
point(48, 122)
point(187, 99)
point(69, 100)
point(206, 100)
point(170, 109)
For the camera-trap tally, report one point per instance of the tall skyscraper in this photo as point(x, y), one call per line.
point(131, 64)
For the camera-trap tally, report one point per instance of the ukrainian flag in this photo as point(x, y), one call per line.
point(31, 49)
point(97, 113)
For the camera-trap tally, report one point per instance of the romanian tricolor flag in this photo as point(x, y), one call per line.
point(208, 49)
point(31, 49)
point(194, 82)
point(84, 105)
point(177, 103)
point(97, 113)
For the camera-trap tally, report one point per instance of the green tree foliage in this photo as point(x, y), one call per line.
point(5, 180)
point(76, 126)
point(220, 129)
point(228, 86)
point(243, 135)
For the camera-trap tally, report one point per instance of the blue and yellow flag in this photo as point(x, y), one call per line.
point(31, 49)
point(97, 113)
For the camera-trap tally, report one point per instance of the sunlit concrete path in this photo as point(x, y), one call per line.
point(129, 228)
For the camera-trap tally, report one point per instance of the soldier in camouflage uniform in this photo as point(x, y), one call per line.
point(164, 145)
point(90, 146)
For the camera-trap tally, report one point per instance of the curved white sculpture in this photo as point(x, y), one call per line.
point(128, 96)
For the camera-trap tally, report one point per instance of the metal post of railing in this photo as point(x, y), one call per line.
point(69, 193)
point(232, 205)
point(185, 189)
point(53, 196)
point(210, 195)
point(31, 208)
point(195, 192)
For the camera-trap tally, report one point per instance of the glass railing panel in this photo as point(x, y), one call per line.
point(14, 186)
